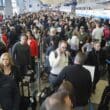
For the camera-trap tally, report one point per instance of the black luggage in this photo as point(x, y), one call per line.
point(28, 98)
point(47, 91)
point(30, 73)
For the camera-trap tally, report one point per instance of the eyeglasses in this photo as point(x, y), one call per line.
point(64, 47)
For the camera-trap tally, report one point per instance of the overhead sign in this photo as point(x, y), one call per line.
point(94, 13)
point(66, 8)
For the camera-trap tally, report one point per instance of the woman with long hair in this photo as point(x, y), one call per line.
point(8, 67)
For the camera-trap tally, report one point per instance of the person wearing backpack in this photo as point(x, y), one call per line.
point(58, 59)
point(48, 51)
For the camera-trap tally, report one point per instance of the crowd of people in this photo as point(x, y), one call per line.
point(68, 42)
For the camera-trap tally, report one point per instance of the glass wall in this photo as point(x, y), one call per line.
point(2, 2)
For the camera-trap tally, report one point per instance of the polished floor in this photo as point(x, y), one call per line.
point(95, 98)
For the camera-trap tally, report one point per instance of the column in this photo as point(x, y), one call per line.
point(8, 8)
point(21, 6)
point(1, 2)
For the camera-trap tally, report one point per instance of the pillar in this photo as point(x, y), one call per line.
point(8, 8)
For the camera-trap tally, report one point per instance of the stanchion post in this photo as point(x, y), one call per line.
point(38, 76)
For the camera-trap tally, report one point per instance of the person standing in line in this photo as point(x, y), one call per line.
point(8, 67)
point(96, 58)
point(33, 44)
point(21, 54)
point(80, 79)
point(9, 93)
point(58, 59)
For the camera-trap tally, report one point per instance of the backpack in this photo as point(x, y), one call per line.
point(106, 33)
point(47, 64)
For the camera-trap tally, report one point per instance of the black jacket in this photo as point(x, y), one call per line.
point(96, 58)
point(2, 48)
point(81, 80)
point(15, 74)
point(12, 37)
point(21, 54)
point(9, 94)
point(107, 53)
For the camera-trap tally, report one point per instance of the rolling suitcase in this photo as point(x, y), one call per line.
point(28, 99)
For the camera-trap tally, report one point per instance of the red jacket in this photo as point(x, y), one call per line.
point(5, 39)
point(33, 47)
point(1, 18)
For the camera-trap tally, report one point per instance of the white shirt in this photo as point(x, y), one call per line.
point(97, 33)
point(88, 47)
point(57, 63)
point(74, 43)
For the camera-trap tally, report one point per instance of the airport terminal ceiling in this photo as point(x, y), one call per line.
point(54, 1)
point(10, 7)
point(78, 1)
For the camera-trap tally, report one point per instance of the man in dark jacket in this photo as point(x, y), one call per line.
point(96, 58)
point(12, 37)
point(21, 54)
point(9, 93)
point(80, 78)
point(107, 58)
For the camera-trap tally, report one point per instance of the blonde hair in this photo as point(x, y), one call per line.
point(9, 57)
